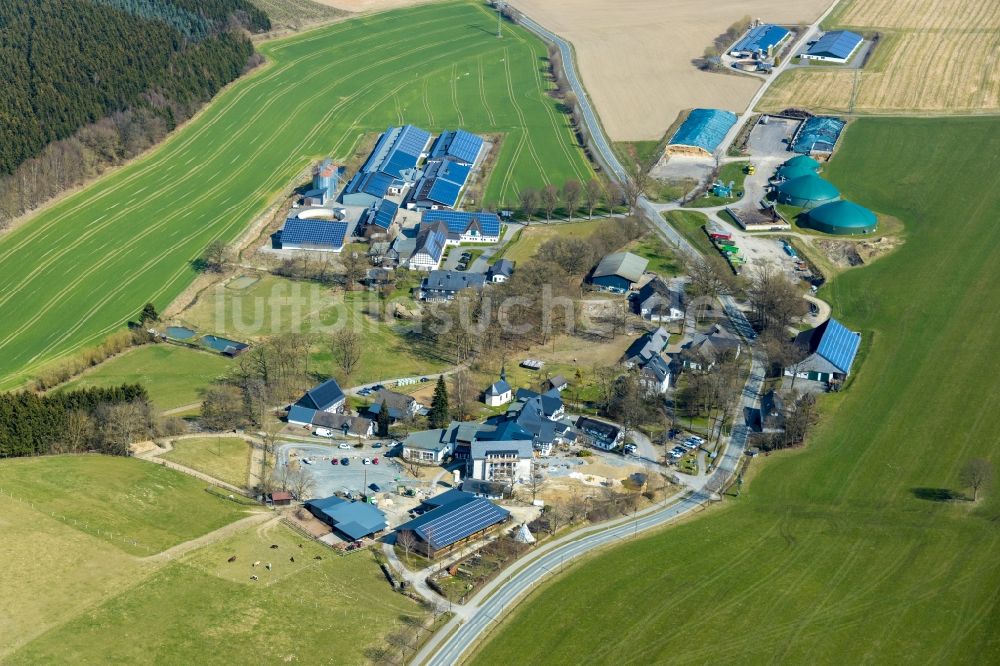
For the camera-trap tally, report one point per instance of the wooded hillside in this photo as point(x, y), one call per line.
point(70, 63)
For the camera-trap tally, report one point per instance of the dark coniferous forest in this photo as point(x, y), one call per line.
point(81, 70)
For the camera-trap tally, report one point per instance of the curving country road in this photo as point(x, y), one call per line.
point(456, 638)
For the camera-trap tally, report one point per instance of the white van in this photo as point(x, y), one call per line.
point(323, 432)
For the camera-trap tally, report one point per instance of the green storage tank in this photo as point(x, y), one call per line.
point(802, 161)
point(842, 218)
point(807, 191)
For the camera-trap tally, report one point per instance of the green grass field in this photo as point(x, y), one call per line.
point(832, 554)
point(80, 269)
point(533, 236)
point(76, 598)
point(274, 305)
point(139, 507)
point(223, 458)
point(175, 376)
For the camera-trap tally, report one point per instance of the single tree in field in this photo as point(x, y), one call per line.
point(550, 200)
point(439, 417)
point(213, 259)
point(407, 542)
point(572, 191)
point(529, 202)
point(148, 313)
point(346, 347)
point(593, 192)
point(383, 421)
point(977, 475)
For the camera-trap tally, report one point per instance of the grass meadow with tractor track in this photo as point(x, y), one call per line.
point(81, 268)
point(838, 553)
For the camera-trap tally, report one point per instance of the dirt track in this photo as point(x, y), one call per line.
point(635, 55)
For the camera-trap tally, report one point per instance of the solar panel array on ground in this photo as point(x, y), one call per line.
point(839, 345)
point(458, 221)
point(319, 233)
point(386, 214)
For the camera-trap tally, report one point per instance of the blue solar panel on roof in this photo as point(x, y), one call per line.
point(465, 146)
point(839, 345)
point(377, 184)
point(444, 192)
point(412, 140)
point(454, 522)
point(458, 221)
point(455, 172)
point(399, 161)
point(386, 214)
point(314, 232)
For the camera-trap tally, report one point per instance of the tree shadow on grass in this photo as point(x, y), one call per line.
point(937, 494)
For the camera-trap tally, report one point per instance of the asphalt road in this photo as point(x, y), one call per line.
point(473, 620)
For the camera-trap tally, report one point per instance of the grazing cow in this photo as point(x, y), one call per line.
point(268, 566)
point(255, 564)
point(253, 577)
point(317, 558)
point(232, 559)
point(273, 546)
point(291, 559)
point(300, 545)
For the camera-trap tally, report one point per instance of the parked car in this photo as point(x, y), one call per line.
point(323, 432)
point(425, 379)
point(345, 462)
point(630, 449)
point(377, 445)
point(307, 461)
point(696, 438)
point(366, 461)
point(375, 460)
point(343, 445)
point(334, 461)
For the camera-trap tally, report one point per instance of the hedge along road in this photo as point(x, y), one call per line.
point(80, 269)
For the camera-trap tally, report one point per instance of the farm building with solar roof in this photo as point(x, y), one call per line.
point(760, 41)
point(391, 166)
point(315, 229)
point(831, 350)
point(836, 46)
point(701, 132)
point(451, 520)
point(464, 226)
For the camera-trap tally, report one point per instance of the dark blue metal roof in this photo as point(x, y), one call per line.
point(355, 519)
point(839, 345)
point(320, 233)
point(457, 516)
point(761, 38)
point(322, 396)
point(459, 221)
point(836, 44)
point(385, 214)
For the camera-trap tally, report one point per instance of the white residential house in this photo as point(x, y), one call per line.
point(501, 461)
